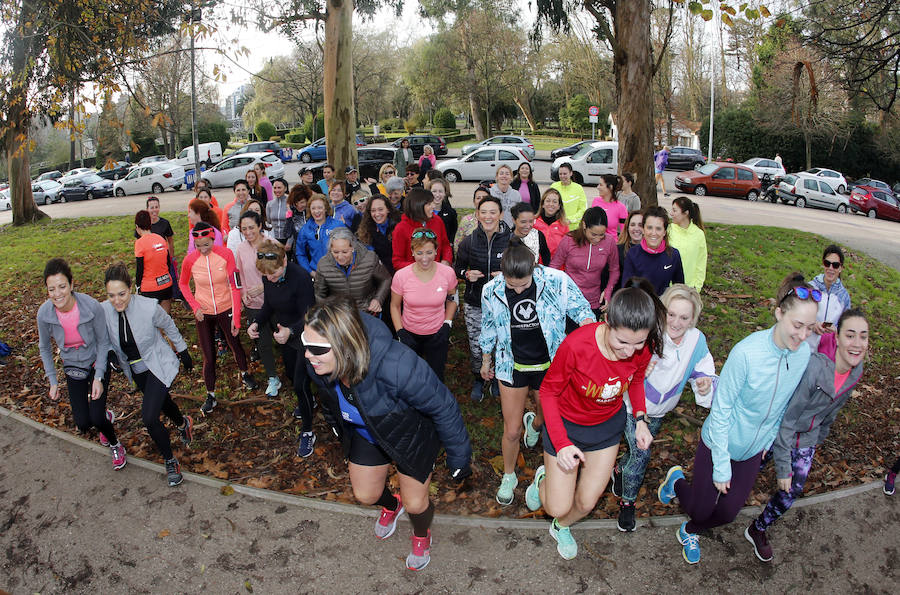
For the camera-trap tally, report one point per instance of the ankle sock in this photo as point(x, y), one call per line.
point(387, 500)
point(422, 521)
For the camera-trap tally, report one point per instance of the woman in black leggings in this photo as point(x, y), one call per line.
point(134, 323)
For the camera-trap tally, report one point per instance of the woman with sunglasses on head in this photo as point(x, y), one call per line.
point(825, 388)
point(76, 323)
point(835, 301)
point(386, 406)
point(417, 213)
point(312, 242)
point(524, 183)
point(151, 257)
point(654, 258)
point(376, 228)
point(688, 236)
point(440, 190)
point(755, 384)
point(136, 325)
point(199, 211)
point(422, 307)
point(288, 292)
point(551, 220)
point(352, 270)
point(469, 223)
point(216, 303)
point(523, 323)
point(584, 417)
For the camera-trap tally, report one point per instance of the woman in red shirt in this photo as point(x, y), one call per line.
point(417, 213)
point(584, 416)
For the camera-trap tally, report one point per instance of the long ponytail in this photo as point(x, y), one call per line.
point(691, 208)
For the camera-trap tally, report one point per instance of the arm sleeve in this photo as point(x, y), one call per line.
point(613, 263)
point(164, 322)
point(264, 314)
point(551, 390)
point(535, 195)
point(307, 297)
point(382, 282)
point(678, 273)
point(235, 292)
point(462, 258)
point(628, 270)
point(718, 423)
point(184, 281)
point(401, 248)
point(562, 251)
point(787, 432)
point(636, 392)
point(44, 333)
point(300, 251)
point(577, 306)
point(102, 335)
point(700, 273)
point(446, 248)
point(488, 337)
point(543, 249)
point(320, 287)
point(138, 270)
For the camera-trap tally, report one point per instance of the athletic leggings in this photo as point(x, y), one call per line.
point(295, 368)
point(781, 501)
point(156, 400)
point(87, 412)
point(206, 339)
point(701, 501)
point(431, 348)
point(896, 468)
point(634, 464)
point(266, 354)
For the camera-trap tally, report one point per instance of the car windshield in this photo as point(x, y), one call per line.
point(789, 179)
point(814, 170)
point(708, 169)
point(92, 179)
point(752, 161)
point(584, 150)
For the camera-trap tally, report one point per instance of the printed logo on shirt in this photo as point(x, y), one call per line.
point(604, 394)
point(667, 267)
point(160, 247)
point(525, 312)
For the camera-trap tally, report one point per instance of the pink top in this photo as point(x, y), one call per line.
point(266, 185)
point(245, 260)
point(525, 193)
point(424, 303)
point(616, 214)
point(69, 321)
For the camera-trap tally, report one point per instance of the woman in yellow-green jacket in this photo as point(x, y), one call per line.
point(688, 237)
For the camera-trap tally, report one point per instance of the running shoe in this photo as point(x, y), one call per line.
point(533, 493)
point(691, 543)
point(506, 493)
point(666, 490)
point(118, 456)
point(420, 555)
point(249, 381)
point(111, 417)
point(274, 386)
point(173, 472)
point(187, 430)
point(307, 441)
point(889, 483)
point(298, 414)
point(565, 543)
point(387, 522)
point(761, 546)
point(616, 484)
point(209, 404)
point(626, 522)
point(477, 393)
point(530, 438)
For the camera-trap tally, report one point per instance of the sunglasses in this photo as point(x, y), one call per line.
point(314, 348)
point(202, 233)
point(266, 256)
point(360, 201)
point(426, 233)
point(389, 172)
point(803, 293)
point(835, 264)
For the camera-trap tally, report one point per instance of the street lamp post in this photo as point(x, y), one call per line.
point(194, 17)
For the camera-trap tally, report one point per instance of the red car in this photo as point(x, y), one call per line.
point(720, 179)
point(874, 202)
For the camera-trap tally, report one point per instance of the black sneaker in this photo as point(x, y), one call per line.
point(173, 473)
point(307, 441)
point(209, 404)
point(187, 430)
point(297, 413)
point(626, 522)
point(254, 354)
point(249, 381)
point(761, 546)
point(616, 483)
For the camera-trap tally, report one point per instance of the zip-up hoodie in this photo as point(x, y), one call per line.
point(691, 245)
point(585, 263)
point(661, 269)
point(478, 253)
point(833, 303)
point(811, 411)
point(91, 327)
point(754, 388)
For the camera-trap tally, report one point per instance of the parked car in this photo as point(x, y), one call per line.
point(234, 167)
point(5, 202)
point(590, 162)
point(896, 189)
point(720, 179)
point(685, 158)
point(154, 178)
point(874, 202)
point(512, 141)
point(315, 151)
point(49, 175)
point(876, 184)
point(46, 191)
point(417, 143)
point(152, 159)
point(370, 161)
point(834, 178)
point(209, 153)
point(803, 190)
point(265, 146)
point(78, 171)
point(570, 150)
point(118, 171)
point(482, 164)
point(85, 187)
point(763, 166)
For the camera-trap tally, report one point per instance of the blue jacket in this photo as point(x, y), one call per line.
point(345, 213)
point(754, 389)
point(312, 242)
point(557, 296)
point(407, 410)
point(661, 269)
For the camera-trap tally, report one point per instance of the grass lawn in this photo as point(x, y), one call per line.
point(746, 264)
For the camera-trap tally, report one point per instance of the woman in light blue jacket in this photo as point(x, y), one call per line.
point(754, 388)
point(523, 322)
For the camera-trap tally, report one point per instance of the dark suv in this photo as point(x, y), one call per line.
point(417, 143)
point(685, 158)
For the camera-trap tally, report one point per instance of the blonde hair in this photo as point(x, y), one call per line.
point(266, 266)
point(338, 320)
point(329, 211)
point(680, 291)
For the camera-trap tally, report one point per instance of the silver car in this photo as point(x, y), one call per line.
point(805, 190)
point(45, 192)
point(520, 142)
point(231, 169)
point(763, 166)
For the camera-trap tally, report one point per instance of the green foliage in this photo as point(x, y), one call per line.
point(264, 130)
point(295, 136)
point(391, 124)
point(444, 119)
point(410, 127)
point(208, 132)
point(314, 135)
point(575, 115)
point(420, 120)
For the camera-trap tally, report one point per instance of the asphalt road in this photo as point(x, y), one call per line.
point(877, 238)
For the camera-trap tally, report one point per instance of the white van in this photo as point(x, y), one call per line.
point(210, 153)
point(590, 162)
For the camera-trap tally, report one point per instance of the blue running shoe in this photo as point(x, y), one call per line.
point(691, 543)
point(531, 435)
point(666, 491)
point(506, 493)
point(565, 543)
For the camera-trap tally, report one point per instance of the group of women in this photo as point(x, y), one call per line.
point(591, 311)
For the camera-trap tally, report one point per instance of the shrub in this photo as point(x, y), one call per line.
point(275, 138)
point(264, 130)
point(444, 119)
point(295, 136)
point(389, 124)
point(410, 127)
point(314, 135)
point(420, 120)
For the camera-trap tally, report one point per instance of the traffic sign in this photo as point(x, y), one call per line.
point(593, 111)
point(593, 119)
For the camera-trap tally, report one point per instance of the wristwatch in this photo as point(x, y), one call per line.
point(642, 417)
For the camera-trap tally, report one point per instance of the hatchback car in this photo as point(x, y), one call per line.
point(78, 171)
point(417, 143)
point(519, 142)
point(834, 178)
point(268, 146)
point(590, 162)
point(234, 168)
point(805, 190)
point(876, 184)
point(154, 178)
point(570, 150)
point(763, 166)
point(315, 151)
point(5, 201)
point(685, 158)
point(874, 202)
point(720, 179)
point(49, 175)
point(45, 191)
point(85, 187)
point(118, 171)
point(482, 164)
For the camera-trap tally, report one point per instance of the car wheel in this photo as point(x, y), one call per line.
point(842, 208)
point(89, 195)
point(698, 165)
point(62, 198)
point(800, 202)
point(872, 214)
point(176, 188)
point(120, 192)
point(700, 190)
point(841, 189)
point(156, 188)
point(305, 157)
point(579, 179)
point(753, 196)
point(452, 176)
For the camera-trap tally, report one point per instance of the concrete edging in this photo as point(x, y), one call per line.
point(444, 519)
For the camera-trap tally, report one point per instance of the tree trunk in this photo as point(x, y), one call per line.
point(477, 115)
point(526, 111)
point(632, 67)
point(340, 111)
point(72, 130)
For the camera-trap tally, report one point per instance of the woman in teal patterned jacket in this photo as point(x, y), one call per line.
point(523, 322)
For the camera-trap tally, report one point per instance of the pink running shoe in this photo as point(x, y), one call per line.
point(420, 555)
point(387, 522)
point(118, 456)
point(104, 441)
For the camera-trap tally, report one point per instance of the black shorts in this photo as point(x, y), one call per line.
point(589, 438)
point(531, 380)
point(160, 296)
point(363, 452)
